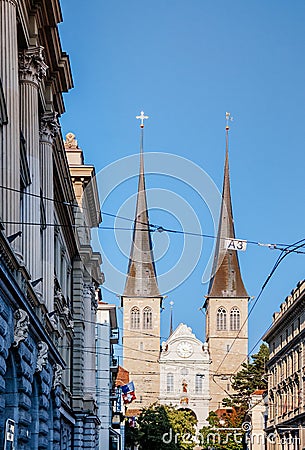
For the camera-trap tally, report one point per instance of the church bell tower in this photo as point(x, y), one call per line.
point(141, 301)
point(226, 303)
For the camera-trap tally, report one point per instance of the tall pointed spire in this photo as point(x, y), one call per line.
point(141, 277)
point(227, 280)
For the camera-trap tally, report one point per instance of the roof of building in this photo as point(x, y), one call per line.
point(122, 377)
point(133, 412)
point(227, 280)
point(259, 392)
point(293, 303)
point(141, 275)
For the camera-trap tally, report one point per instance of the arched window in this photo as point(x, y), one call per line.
point(135, 318)
point(147, 318)
point(234, 319)
point(170, 382)
point(221, 319)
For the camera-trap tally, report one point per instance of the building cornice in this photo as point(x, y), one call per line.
point(294, 303)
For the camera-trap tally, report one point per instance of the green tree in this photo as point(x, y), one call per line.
point(183, 423)
point(224, 432)
point(164, 428)
point(245, 382)
point(251, 377)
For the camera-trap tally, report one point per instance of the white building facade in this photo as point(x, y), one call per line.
point(107, 334)
point(184, 373)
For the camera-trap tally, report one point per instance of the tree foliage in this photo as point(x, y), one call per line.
point(221, 434)
point(251, 376)
point(164, 428)
point(246, 381)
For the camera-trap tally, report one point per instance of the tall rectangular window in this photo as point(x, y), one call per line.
point(198, 383)
point(170, 382)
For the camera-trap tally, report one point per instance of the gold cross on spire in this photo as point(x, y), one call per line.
point(142, 117)
point(229, 118)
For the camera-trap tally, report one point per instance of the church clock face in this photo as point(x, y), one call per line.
point(184, 349)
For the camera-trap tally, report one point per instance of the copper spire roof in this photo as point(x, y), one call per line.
point(227, 280)
point(141, 277)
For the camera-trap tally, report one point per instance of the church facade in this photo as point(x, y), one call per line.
point(185, 366)
point(184, 373)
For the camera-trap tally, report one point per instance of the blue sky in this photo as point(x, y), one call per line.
point(187, 62)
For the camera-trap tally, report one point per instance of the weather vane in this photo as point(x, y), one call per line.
point(142, 117)
point(229, 118)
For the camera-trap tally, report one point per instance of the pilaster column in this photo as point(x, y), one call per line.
point(31, 70)
point(48, 130)
point(89, 341)
point(10, 158)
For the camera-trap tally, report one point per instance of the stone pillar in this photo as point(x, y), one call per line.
point(48, 129)
point(10, 161)
point(31, 69)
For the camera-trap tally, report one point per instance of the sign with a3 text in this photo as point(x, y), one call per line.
point(236, 244)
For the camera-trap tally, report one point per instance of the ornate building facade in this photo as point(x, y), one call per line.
point(286, 380)
point(49, 275)
point(226, 305)
point(184, 373)
point(141, 303)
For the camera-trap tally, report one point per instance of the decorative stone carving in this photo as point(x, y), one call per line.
point(42, 357)
point(58, 370)
point(89, 293)
point(49, 127)
point(70, 141)
point(54, 321)
point(21, 326)
point(58, 295)
point(32, 67)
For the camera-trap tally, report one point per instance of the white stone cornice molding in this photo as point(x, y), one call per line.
point(57, 377)
point(32, 67)
point(49, 127)
point(42, 356)
point(21, 326)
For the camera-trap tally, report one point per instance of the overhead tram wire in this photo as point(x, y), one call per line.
point(285, 252)
point(152, 227)
point(279, 247)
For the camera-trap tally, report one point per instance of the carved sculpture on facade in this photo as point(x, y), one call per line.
point(42, 356)
point(90, 295)
point(70, 141)
point(54, 320)
point(58, 370)
point(32, 67)
point(59, 296)
point(49, 127)
point(21, 326)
